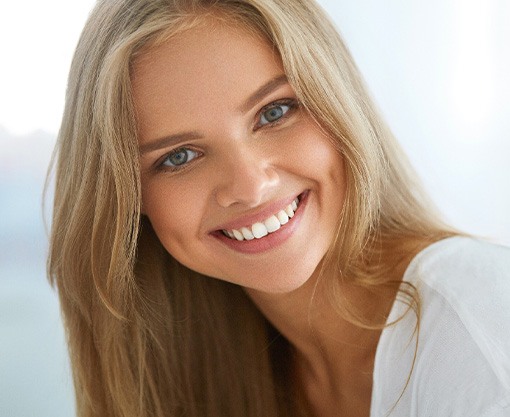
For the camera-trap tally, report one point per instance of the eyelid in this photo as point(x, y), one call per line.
point(159, 164)
point(292, 103)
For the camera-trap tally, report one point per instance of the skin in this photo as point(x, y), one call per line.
point(194, 84)
point(195, 87)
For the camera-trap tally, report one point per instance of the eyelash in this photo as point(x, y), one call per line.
point(292, 105)
point(161, 165)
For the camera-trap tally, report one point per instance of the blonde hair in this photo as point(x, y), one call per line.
point(147, 336)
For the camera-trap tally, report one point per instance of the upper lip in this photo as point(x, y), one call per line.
point(259, 216)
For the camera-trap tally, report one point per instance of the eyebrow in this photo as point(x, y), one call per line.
point(263, 91)
point(168, 141)
point(252, 100)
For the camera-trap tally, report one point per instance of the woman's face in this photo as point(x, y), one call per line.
point(227, 154)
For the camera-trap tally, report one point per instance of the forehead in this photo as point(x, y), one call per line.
point(206, 67)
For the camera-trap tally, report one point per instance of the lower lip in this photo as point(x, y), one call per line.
point(270, 241)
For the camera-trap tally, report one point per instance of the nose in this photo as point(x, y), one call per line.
point(246, 178)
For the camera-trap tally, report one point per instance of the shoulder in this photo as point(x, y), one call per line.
point(461, 364)
point(468, 280)
point(461, 263)
point(472, 278)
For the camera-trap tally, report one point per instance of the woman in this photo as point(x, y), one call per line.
point(237, 233)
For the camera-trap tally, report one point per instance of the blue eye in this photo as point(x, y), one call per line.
point(273, 113)
point(179, 157)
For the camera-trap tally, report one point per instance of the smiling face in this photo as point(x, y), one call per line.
point(238, 182)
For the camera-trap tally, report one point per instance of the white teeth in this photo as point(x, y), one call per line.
point(238, 235)
point(282, 217)
point(272, 224)
point(259, 230)
point(248, 235)
point(289, 211)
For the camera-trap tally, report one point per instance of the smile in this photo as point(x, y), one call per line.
point(270, 225)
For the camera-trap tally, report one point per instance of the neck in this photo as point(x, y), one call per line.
point(334, 358)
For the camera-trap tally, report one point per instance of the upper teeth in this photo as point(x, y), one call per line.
point(261, 229)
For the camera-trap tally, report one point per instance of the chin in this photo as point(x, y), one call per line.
point(294, 281)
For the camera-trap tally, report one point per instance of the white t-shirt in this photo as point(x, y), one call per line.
point(462, 365)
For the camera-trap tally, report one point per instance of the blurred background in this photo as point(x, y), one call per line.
point(438, 70)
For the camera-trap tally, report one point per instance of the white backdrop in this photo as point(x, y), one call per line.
point(438, 71)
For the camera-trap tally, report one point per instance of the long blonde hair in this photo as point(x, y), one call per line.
point(147, 336)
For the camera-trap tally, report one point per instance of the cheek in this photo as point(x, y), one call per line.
point(173, 210)
point(323, 163)
point(176, 212)
point(315, 154)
